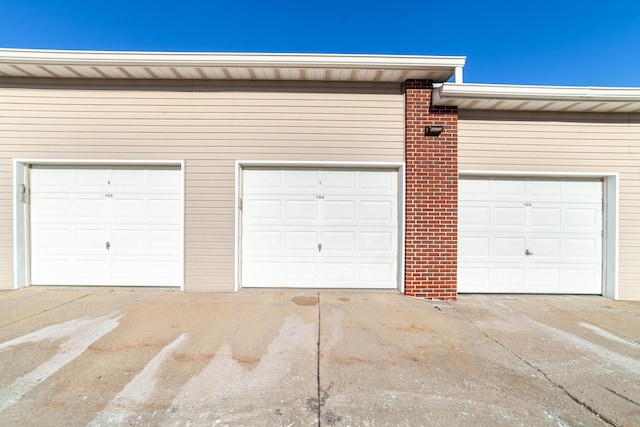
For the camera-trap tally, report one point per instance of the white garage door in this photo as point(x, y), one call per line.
point(320, 228)
point(530, 236)
point(105, 226)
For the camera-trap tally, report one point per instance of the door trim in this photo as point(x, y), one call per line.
point(242, 164)
point(611, 209)
point(21, 235)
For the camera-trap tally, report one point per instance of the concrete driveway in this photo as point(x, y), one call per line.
point(302, 358)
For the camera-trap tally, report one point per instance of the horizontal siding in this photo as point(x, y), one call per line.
point(209, 125)
point(547, 142)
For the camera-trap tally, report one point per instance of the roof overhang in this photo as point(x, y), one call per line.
point(226, 66)
point(537, 98)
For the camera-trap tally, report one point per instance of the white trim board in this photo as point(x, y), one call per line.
point(21, 249)
point(611, 200)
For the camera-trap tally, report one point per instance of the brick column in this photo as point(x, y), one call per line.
point(431, 238)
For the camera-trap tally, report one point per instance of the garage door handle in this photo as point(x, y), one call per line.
point(528, 252)
point(107, 245)
point(319, 247)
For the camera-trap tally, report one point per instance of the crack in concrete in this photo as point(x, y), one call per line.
point(622, 396)
point(320, 402)
point(540, 371)
point(48, 309)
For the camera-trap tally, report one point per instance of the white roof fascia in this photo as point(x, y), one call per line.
point(44, 58)
point(466, 95)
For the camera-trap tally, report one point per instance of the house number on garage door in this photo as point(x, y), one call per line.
point(320, 197)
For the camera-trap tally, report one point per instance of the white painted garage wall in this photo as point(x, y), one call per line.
point(564, 143)
point(209, 125)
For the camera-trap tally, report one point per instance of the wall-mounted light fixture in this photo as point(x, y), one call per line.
point(433, 130)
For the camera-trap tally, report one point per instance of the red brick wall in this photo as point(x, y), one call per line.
point(431, 238)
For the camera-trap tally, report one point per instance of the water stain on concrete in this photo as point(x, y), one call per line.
point(344, 299)
point(305, 301)
point(226, 390)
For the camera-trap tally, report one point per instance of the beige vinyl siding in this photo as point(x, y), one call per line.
point(565, 142)
point(209, 125)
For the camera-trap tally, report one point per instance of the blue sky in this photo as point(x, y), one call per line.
point(578, 43)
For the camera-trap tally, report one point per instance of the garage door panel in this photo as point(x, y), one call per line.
point(378, 182)
point(544, 247)
point(55, 270)
point(90, 180)
point(581, 190)
point(60, 182)
point(300, 273)
point(332, 224)
point(543, 190)
point(472, 216)
point(508, 216)
point(110, 226)
point(587, 217)
point(338, 274)
point(507, 189)
point(338, 211)
point(128, 209)
point(581, 280)
point(474, 189)
point(377, 211)
point(383, 243)
point(337, 243)
point(163, 271)
point(47, 239)
point(502, 247)
point(338, 182)
point(265, 182)
point(546, 217)
point(127, 271)
point(377, 273)
point(544, 236)
point(260, 210)
point(164, 210)
point(89, 240)
point(300, 210)
point(589, 249)
point(127, 240)
point(299, 242)
point(262, 241)
point(358, 210)
point(54, 209)
point(262, 272)
point(126, 181)
point(91, 209)
point(79, 239)
point(163, 181)
point(474, 246)
point(301, 181)
point(474, 278)
point(144, 209)
point(507, 278)
point(165, 241)
point(90, 271)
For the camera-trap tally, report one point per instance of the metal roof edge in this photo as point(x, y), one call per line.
point(474, 91)
point(122, 58)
